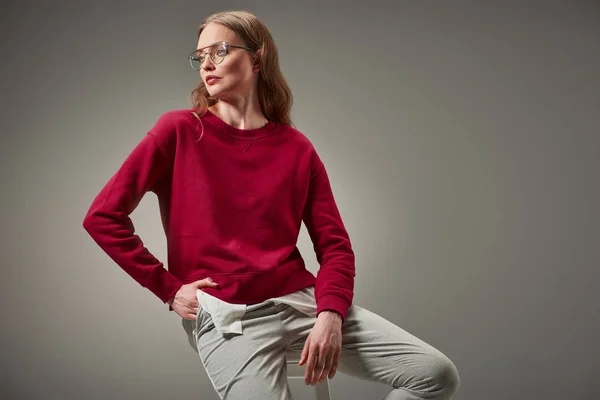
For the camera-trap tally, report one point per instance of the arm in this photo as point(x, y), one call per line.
point(334, 287)
point(108, 222)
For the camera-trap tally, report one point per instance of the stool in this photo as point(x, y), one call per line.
point(295, 371)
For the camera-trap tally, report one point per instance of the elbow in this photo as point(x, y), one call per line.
point(94, 219)
point(89, 222)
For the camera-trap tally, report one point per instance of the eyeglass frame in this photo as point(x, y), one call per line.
point(210, 54)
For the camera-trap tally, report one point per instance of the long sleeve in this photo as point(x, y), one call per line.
point(334, 289)
point(109, 224)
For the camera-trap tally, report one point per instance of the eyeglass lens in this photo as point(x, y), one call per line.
point(217, 54)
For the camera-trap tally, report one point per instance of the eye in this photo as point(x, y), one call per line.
point(221, 51)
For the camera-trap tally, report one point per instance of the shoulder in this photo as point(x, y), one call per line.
point(297, 138)
point(305, 149)
point(168, 124)
point(172, 120)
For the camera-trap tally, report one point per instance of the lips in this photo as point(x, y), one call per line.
point(211, 80)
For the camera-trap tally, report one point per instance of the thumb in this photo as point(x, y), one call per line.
point(204, 282)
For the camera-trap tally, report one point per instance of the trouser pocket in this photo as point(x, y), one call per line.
point(196, 328)
point(203, 321)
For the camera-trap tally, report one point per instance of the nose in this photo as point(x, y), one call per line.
point(208, 64)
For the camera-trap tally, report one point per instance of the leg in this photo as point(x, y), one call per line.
point(250, 366)
point(377, 350)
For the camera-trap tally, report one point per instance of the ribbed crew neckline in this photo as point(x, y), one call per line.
point(248, 134)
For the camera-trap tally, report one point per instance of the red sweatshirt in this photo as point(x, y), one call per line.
point(231, 205)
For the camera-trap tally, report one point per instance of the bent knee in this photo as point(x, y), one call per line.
point(436, 377)
point(445, 374)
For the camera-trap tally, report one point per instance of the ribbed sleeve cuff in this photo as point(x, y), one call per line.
point(332, 302)
point(164, 284)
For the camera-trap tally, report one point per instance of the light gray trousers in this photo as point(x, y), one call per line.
point(252, 366)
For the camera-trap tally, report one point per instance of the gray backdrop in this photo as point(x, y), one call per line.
point(462, 140)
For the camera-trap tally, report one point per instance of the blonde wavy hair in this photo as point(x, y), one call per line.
point(274, 94)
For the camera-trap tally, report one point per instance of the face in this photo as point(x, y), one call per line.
point(236, 77)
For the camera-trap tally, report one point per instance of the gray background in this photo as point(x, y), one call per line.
point(463, 144)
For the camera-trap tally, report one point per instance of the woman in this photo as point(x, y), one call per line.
point(234, 182)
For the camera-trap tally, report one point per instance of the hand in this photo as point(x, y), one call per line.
point(185, 302)
point(322, 348)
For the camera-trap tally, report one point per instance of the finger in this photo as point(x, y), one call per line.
point(211, 282)
point(322, 369)
point(318, 366)
point(304, 354)
point(190, 309)
point(328, 363)
point(203, 282)
point(310, 363)
point(310, 366)
point(336, 361)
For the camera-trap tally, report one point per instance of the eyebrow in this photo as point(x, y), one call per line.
point(212, 44)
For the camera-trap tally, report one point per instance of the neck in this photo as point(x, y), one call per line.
point(241, 115)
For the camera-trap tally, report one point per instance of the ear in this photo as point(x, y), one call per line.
point(256, 61)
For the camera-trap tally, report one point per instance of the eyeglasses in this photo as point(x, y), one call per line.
point(217, 54)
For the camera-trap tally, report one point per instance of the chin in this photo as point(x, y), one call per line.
point(215, 92)
point(222, 95)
